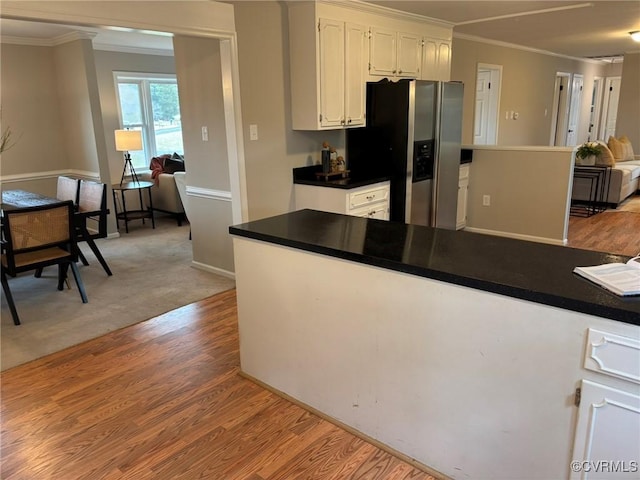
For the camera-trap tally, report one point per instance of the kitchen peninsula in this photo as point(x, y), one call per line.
point(459, 351)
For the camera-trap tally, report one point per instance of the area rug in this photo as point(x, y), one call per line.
point(631, 204)
point(152, 274)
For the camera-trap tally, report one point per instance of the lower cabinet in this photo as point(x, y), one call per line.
point(463, 194)
point(607, 436)
point(370, 201)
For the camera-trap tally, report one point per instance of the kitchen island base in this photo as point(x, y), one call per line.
point(470, 383)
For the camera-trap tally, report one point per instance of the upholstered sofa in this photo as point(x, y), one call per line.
point(164, 193)
point(624, 174)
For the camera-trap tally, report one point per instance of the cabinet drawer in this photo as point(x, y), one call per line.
point(381, 212)
point(367, 197)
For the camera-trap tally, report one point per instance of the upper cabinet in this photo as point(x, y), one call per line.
point(436, 59)
point(342, 48)
point(394, 54)
point(335, 48)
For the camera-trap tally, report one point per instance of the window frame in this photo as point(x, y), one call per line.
point(147, 125)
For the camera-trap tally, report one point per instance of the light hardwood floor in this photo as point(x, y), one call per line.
point(615, 232)
point(163, 400)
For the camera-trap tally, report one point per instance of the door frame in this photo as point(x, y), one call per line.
point(605, 104)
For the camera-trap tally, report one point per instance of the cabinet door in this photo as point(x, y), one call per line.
point(607, 438)
point(382, 52)
point(355, 69)
point(443, 66)
point(409, 55)
point(463, 195)
point(332, 96)
point(436, 59)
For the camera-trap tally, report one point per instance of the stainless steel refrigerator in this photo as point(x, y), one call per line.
point(413, 133)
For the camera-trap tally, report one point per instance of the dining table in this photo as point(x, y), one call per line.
point(17, 199)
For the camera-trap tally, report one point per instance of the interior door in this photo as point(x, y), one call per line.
point(610, 111)
point(575, 104)
point(486, 105)
point(560, 110)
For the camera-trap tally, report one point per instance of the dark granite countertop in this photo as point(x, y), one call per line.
point(531, 271)
point(307, 176)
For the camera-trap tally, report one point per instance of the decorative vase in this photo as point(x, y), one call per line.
point(586, 161)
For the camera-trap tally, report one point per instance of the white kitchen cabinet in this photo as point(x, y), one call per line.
point(370, 201)
point(394, 54)
point(607, 435)
point(328, 68)
point(463, 195)
point(436, 59)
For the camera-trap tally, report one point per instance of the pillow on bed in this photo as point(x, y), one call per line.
point(606, 157)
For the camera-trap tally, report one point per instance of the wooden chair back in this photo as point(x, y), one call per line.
point(92, 197)
point(38, 236)
point(68, 189)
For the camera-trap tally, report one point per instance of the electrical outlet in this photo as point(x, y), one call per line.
point(205, 134)
point(486, 200)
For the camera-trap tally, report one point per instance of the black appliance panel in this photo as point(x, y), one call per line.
point(423, 160)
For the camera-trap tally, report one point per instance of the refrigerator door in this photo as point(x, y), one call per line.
point(447, 162)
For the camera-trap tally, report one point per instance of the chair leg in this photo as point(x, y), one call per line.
point(9, 297)
point(96, 252)
point(38, 273)
point(83, 259)
point(62, 276)
point(76, 275)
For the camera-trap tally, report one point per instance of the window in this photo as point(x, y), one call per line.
point(149, 102)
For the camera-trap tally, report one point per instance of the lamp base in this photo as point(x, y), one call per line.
point(127, 162)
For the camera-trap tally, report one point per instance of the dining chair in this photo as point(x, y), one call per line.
point(92, 206)
point(36, 237)
point(67, 189)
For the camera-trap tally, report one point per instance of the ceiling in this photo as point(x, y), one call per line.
point(572, 28)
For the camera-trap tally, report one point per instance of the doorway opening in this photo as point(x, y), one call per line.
point(487, 100)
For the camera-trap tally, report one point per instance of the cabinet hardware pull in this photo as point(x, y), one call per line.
point(394, 71)
point(400, 72)
point(349, 121)
point(370, 197)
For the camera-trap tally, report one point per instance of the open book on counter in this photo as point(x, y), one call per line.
point(620, 278)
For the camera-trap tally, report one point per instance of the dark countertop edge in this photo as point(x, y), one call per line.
point(334, 183)
point(579, 306)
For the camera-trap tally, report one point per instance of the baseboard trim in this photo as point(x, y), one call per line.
point(218, 271)
point(377, 443)
point(518, 236)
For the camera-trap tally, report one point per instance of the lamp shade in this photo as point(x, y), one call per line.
point(635, 35)
point(127, 140)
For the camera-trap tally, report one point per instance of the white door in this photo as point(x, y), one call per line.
point(595, 109)
point(355, 67)
point(610, 104)
point(560, 110)
point(331, 73)
point(486, 105)
point(607, 438)
point(575, 104)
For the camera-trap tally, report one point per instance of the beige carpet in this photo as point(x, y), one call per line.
point(152, 274)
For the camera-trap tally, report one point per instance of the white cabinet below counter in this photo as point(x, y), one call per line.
point(371, 201)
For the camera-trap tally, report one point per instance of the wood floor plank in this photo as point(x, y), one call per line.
point(164, 400)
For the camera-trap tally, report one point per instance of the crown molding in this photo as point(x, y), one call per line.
point(386, 11)
point(514, 46)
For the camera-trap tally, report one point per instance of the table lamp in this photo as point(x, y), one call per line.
point(127, 140)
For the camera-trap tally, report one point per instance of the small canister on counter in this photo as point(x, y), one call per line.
point(326, 158)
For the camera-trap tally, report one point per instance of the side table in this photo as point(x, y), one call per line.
point(128, 215)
